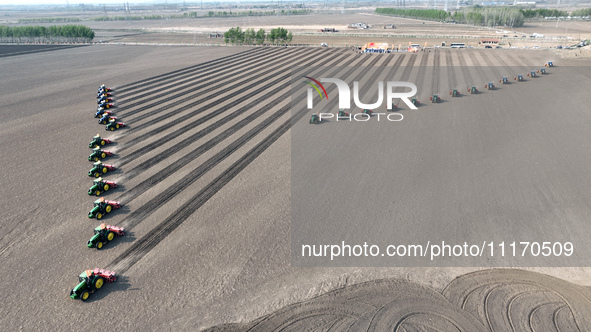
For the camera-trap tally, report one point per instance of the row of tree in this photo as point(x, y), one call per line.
point(426, 14)
point(208, 14)
point(492, 17)
point(54, 33)
point(48, 20)
point(482, 16)
point(131, 18)
point(541, 12)
point(249, 36)
point(581, 12)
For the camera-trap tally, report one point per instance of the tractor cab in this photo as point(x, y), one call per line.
point(98, 181)
point(505, 80)
point(549, 64)
point(473, 90)
point(435, 98)
point(542, 70)
point(532, 74)
point(519, 77)
point(100, 203)
point(414, 101)
point(454, 93)
point(490, 86)
point(86, 276)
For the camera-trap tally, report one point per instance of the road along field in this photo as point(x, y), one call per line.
point(204, 174)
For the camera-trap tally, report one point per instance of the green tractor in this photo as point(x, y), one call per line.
point(102, 207)
point(315, 119)
point(90, 281)
point(473, 90)
point(98, 154)
point(104, 234)
point(435, 98)
point(414, 101)
point(99, 168)
point(98, 141)
point(454, 93)
point(99, 185)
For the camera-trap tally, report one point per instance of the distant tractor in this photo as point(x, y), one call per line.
point(532, 74)
point(315, 118)
point(415, 101)
point(542, 70)
point(435, 98)
point(103, 234)
point(473, 90)
point(519, 77)
point(343, 115)
point(98, 154)
point(490, 86)
point(504, 80)
point(454, 93)
point(368, 112)
point(549, 64)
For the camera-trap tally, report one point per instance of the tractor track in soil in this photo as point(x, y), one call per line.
point(478, 67)
point(188, 87)
point(204, 65)
point(139, 152)
point(422, 68)
point(134, 192)
point(142, 246)
point(146, 184)
point(37, 49)
point(185, 81)
point(451, 74)
point(465, 70)
point(488, 300)
point(436, 74)
point(237, 90)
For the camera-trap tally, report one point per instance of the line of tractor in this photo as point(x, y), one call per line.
point(316, 118)
point(90, 281)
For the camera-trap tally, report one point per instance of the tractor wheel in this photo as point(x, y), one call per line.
point(98, 192)
point(106, 187)
point(110, 236)
point(108, 208)
point(99, 216)
point(97, 174)
point(117, 126)
point(103, 142)
point(98, 283)
point(112, 128)
point(105, 170)
point(84, 295)
point(96, 159)
point(103, 155)
point(99, 245)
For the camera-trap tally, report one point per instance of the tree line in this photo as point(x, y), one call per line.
point(48, 20)
point(249, 36)
point(482, 16)
point(200, 15)
point(54, 33)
